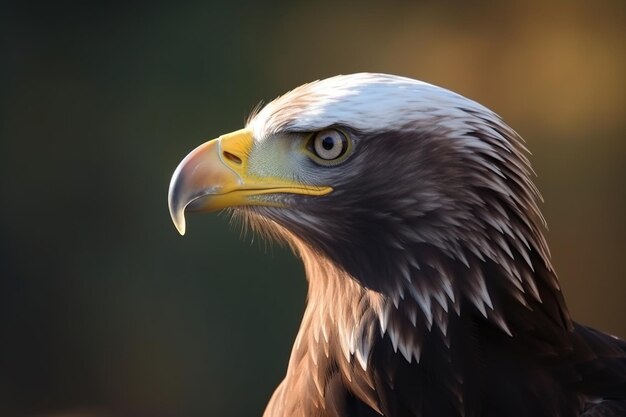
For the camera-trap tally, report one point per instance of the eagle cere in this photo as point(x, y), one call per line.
point(431, 291)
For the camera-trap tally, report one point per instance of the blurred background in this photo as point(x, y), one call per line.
point(106, 311)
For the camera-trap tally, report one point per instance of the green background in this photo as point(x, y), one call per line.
point(106, 311)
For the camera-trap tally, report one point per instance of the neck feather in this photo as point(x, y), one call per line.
point(344, 320)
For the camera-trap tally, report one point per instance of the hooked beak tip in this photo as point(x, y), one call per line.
point(179, 223)
point(177, 212)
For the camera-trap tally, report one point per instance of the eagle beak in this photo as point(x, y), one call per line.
point(215, 175)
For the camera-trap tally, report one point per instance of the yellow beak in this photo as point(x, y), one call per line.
point(215, 176)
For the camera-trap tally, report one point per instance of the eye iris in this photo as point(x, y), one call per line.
point(329, 144)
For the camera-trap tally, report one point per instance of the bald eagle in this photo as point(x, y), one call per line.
point(430, 287)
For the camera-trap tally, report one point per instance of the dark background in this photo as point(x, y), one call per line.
point(106, 311)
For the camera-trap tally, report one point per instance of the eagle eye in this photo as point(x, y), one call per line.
point(329, 145)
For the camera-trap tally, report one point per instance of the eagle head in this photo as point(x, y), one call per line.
point(381, 175)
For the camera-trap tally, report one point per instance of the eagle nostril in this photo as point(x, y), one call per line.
point(232, 157)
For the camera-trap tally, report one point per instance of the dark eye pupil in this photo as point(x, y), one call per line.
point(328, 143)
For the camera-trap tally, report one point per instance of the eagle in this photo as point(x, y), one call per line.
point(430, 286)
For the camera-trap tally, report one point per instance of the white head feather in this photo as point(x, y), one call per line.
point(366, 102)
